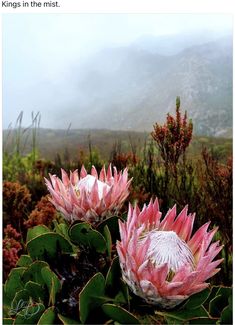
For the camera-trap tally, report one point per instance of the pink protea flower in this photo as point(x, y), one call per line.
point(89, 197)
point(160, 261)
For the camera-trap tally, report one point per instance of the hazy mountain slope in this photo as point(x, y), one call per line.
point(72, 144)
point(174, 44)
point(127, 88)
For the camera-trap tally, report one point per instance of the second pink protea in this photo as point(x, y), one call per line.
point(89, 197)
point(160, 261)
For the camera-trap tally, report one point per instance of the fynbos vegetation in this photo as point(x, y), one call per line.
point(141, 237)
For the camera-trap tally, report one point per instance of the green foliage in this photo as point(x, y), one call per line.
point(211, 306)
point(36, 231)
point(24, 260)
point(83, 234)
point(119, 314)
point(114, 273)
point(34, 286)
point(14, 282)
point(52, 282)
point(47, 245)
point(37, 291)
point(26, 291)
point(67, 321)
point(29, 315)
point(112, 224)
point(34, 292)
point(48, 317)
point(34, 272)
point(8, 321)
point(92, 296)
point(35, 282)
point(197, 300)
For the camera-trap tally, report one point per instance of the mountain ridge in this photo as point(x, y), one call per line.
point(201, 75)
point(130, 87)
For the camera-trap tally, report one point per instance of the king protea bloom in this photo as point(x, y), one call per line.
point(89, 197)
point(160, 259)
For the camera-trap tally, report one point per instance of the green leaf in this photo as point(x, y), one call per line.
point(62, 229)
point(36, 291)
point(220, 301)
point(226, 316)
point(91, 296)
point(225, 292)
point(46, 246)
point(196, 300)
point(52, 282)
point(172, 321)
point(203, 320)
point(20, 300)
point(8, 321)
point(112, 282)
point(186, 314)
point(120, 298)
point(227, 312)
point(67, 321)
point(125, 291)
point(36, 231)
point(6, 304)
point(33, 272)
point(213, 293)
point(14, 282)
point(114, 285)
point(108, 238)
point(48, 317)
point(24, 260)
point(119, 314)
point(124, 216)
point(214, 306)
point(112, 224)
point(29, 315)
point(83, 234)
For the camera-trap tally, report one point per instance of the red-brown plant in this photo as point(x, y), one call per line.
point(11, 249)
point(42, 167)
point(174, 136)
point(122, 160)
point(44, 213)
point(16, 200)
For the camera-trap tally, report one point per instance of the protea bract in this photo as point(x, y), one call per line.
point(160, 259)
point(89, 197)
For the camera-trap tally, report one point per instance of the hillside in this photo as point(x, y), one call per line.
point(51, 142)
point(132, 86)
point(129, 88)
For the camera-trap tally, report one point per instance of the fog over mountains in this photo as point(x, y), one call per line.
point(129, 88)
point(133, 86)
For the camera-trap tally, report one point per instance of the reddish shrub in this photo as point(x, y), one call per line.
point(11, 249)
point(174, 136)
point(122, 160)
point(43, 213)
point(16, 200)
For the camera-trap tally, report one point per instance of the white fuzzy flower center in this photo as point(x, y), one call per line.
point(167, 247)
point(88, 182)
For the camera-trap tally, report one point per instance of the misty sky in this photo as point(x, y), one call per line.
point(40, 50)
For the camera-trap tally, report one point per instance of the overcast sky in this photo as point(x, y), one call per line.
point(38, 49)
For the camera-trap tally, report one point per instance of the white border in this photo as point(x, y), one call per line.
point(120, 6)
point(131, 6)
